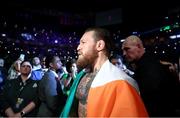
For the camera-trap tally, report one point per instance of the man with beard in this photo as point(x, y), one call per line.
point(105, 90)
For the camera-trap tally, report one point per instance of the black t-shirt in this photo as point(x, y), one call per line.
point(18, 95)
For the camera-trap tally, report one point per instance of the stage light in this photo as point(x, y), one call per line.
point(178, 36)
point(3, 35)
point(166, 17)
point(56, 41)
point(172, 37)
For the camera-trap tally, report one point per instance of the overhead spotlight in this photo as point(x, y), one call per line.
point(166, 17)
point(56, 41)
point(172, 37)
point(178, 36)
point(3, 35)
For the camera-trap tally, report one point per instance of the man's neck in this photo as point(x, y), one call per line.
point(24, 78)
point(100, 61)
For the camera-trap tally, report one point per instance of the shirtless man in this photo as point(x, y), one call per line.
point(105, 90)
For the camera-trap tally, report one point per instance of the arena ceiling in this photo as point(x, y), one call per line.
point(134, 13)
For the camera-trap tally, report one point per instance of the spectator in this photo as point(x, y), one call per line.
point(19, 98)
point(117, 60)
point(50, 92)
point(157, 88)
point(14, 70)
point(37, 71)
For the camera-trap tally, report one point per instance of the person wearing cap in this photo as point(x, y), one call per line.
point(19, 97)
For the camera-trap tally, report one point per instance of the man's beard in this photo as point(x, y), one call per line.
point(82, 62)
point(85, 61)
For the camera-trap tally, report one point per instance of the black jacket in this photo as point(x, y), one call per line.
point(158, 89)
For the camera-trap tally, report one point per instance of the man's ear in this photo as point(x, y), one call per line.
point(100, 45)
point(139, 45)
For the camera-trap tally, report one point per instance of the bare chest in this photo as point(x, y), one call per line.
point(83, 89)
point(82, 93)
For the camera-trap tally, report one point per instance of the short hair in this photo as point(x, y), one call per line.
point(134, 39)
point(105, 35)
point(28, 62)
point(68, 66)
point(49, 59)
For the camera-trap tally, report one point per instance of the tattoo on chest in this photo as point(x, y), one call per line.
point(84, 86)
point(82, 92)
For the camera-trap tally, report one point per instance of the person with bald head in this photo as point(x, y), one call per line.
point(133, 48)
point(157, 88)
